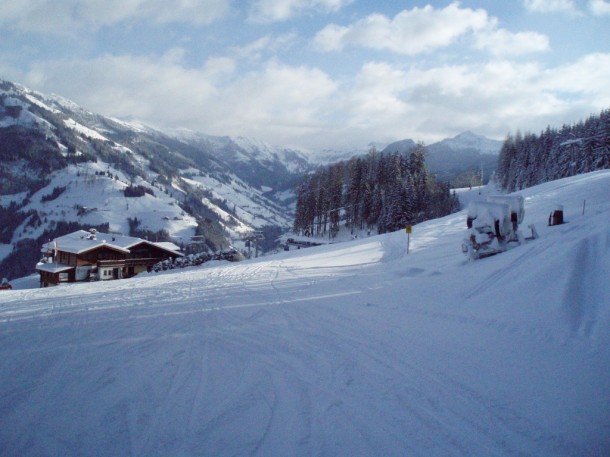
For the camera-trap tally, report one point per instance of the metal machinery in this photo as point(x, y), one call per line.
point(493, 226)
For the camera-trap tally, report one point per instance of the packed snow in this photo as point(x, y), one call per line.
point(347, 349)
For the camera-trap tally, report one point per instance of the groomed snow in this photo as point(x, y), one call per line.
point(350, 349)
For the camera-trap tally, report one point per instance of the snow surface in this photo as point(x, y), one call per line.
point(36, 101)
point(346, 349)
point(105, 201)
point(25, 117)
point(86, 131)
point(245, 200)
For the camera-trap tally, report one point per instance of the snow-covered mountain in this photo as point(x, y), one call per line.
point(349, 349)
point(62, 164)
point(330, 156)
point(466, 141)
point(402, 146)
point(471, 141)
point(450, 158)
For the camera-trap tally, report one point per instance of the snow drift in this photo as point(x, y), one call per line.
point(348, 349)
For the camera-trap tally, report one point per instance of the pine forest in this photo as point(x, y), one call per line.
point(382, 192)
point(527, 160)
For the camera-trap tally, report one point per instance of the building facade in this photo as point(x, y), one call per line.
point(91, 256)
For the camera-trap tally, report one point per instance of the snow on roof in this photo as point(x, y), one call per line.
point(82, 241)
point(167, 245)
point(53, 267)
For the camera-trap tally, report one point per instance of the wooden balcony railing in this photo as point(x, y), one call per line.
point(150, 261)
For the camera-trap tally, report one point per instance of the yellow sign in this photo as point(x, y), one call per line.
point(409, 229)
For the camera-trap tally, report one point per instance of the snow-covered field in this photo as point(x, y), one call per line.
point(347, 349)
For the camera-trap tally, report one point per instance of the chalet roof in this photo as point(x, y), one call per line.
point(83, 241)
point(54, 267)
point(167, 245)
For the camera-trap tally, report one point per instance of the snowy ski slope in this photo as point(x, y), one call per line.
point(351, 349)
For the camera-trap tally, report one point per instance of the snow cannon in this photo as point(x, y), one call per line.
point(556, 216)
point(516, 204)
point(490, 229)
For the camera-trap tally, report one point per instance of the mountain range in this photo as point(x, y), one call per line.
point(61, 164)
point(455, 159)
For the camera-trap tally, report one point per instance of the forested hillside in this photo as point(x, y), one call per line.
point(527, 160)
point(63, 168)
point(380, 191)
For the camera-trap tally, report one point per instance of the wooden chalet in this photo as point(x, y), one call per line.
point(90, 256)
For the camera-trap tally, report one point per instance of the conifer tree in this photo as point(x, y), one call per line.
point(533, 159)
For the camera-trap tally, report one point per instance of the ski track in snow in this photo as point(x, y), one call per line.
point(354, 349)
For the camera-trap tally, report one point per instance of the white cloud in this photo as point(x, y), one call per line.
point(219, 67)
point(599, 7)
point(587, 78)
point(376, 98)
point(265, 11)
point(424, 30)
point(501, 42)
point(387, 102)
point(152, 88)
point(304, 106)
point(501, 95)
point(410, 32)
point(551, 6)
point(277, 103)
point(267, 44)
point(67, 16)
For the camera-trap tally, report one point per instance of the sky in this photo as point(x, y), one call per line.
point(318, 74)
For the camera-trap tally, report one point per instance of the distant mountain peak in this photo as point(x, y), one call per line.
point(400, 146)
point(470, 140)
point(467, 135)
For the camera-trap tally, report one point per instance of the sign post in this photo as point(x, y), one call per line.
point(408, 229)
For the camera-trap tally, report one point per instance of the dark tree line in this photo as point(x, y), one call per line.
point(57, 191)
point(527, 160)
point(132, 191)
point(385, 192)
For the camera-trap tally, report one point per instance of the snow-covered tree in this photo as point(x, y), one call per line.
point(526, 160)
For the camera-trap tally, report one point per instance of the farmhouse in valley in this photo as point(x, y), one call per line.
point(90, 255)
